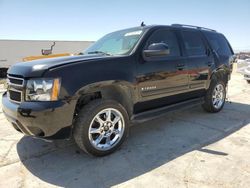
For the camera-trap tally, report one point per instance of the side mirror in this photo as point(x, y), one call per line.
point(156, 50)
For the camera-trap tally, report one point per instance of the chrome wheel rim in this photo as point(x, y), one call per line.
point(106, 129)
point(218, 96)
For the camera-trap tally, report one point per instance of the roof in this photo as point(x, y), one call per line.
point(179, 26)
point(192, 27)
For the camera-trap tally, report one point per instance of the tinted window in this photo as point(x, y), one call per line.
point(168, 37)
point(193, 43)
point(219, 43)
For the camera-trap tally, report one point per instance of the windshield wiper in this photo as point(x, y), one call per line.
point(99, 52)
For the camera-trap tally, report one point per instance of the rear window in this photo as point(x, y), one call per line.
point(193, 43)
point(219, 43)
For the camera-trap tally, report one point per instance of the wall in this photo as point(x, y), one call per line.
point(12, 51)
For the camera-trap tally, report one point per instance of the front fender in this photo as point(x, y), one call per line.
point(120, 91)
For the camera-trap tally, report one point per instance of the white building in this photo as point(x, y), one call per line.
point(12, 51)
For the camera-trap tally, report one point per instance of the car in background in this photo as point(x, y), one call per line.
point(247, 74)
point(243, 67)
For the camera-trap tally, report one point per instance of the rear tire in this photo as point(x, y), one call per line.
point(101, 127)
point(248, 81)
point(215, 96)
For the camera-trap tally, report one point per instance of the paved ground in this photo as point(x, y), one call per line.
point(188, 148)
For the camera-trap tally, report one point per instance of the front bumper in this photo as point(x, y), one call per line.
point(41, 119)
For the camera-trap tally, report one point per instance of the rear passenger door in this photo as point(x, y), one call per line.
point(199, 59)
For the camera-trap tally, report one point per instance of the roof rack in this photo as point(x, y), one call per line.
point(192, 26)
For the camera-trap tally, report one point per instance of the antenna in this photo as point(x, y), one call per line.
point(142, 24)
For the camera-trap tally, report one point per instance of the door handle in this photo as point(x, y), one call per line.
point(209, 64)
point(180, 66)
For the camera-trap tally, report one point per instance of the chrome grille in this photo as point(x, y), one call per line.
point(15, 88)
point(15, 81)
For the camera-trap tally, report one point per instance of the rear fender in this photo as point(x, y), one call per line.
point(222, 73)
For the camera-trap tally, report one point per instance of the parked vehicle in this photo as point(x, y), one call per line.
point(127, 76)
point(247, 74)
point(243, 67)
point(3, 68)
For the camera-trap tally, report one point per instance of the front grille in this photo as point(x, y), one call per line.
point(15, 88)
point(15, 95)
point(15, 81)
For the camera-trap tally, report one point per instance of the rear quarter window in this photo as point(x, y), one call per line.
point(219, 43)
point(193, 43)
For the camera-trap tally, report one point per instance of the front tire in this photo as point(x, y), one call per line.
point(248, 81)
point(101, 127)
point(215, 96)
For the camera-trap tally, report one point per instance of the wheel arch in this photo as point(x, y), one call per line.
point(221, 73)
point(120, 91)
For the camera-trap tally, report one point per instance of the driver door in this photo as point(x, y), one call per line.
point(162, 80)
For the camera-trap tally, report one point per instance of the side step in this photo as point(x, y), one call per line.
point(156, 113)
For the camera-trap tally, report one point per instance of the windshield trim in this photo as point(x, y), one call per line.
point(134, 49)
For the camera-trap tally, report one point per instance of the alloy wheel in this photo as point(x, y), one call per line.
point(218, 96)
point(106, 129)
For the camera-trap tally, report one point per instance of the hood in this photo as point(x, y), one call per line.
point(37, 67)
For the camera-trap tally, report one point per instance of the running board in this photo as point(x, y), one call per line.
point(159, 112)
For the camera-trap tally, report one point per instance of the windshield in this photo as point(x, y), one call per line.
point(116, 43)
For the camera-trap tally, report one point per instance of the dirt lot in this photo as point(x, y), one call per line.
point(187, 148)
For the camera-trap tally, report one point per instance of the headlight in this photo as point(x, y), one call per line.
point(43, 89)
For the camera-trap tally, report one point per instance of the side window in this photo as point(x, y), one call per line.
point(193, 43)
point(219, 43)
point(168, 37)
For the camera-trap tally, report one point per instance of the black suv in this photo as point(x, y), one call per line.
point(127, 76)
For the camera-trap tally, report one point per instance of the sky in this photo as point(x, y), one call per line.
point(90, 19)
